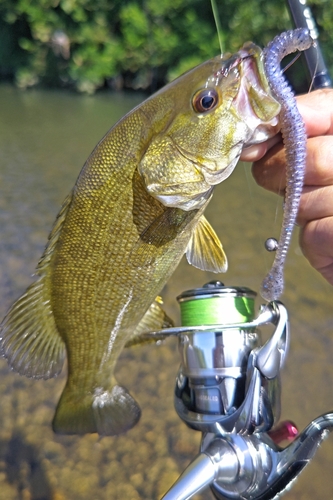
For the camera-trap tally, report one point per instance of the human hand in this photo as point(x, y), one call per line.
point(315, 216)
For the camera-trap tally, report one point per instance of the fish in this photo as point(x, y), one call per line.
point(136, 208)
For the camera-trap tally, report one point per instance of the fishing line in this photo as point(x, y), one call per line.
point(217, 24)
point(294, 59)
point(315, 45)
point(253, 198)
point(315, 69)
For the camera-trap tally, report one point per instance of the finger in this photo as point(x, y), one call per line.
point(270, 172)
point(316, 203)
point(313, 105)
point(316, 241)
point(319, 168)
point(257, 151)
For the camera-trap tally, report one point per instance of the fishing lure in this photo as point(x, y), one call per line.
point(294, 138)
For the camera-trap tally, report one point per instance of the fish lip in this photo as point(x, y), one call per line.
point(227, 62)
point(251, 51)
point(259, 135)
point(247, 54)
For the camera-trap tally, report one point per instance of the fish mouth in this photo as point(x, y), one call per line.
point(254, 101)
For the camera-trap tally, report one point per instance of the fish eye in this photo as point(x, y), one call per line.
point(205, 100)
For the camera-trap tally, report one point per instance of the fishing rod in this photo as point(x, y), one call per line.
point(302, 17)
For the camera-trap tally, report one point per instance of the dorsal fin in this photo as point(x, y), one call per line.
point(205, 250)
point(54, 235)
point(29, 338)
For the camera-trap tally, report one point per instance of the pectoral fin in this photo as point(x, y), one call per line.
point(205, 250)
point(154, 319)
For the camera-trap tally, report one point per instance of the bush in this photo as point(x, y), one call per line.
point(87, 44)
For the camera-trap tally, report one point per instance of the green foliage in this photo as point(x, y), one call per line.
point(87, 44)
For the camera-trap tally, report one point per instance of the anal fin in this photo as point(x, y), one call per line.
point(154, 319)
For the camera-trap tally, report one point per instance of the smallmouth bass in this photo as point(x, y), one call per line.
point(134, 211)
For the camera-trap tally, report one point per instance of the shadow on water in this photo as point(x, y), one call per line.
point(24, 469)
point(45, 138)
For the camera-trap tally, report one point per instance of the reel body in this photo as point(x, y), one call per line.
point(228, 387)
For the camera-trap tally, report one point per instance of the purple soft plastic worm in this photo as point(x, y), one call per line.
point(294, 138)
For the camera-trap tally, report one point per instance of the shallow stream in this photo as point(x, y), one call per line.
point(45, 137)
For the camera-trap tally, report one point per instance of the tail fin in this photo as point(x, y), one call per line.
point(106, 412)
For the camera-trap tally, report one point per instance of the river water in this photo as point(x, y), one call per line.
point(45, 137)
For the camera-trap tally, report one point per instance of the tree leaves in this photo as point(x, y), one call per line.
point(137, 43)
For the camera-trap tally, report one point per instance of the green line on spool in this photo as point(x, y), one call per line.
point(217, 310)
